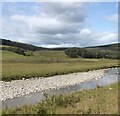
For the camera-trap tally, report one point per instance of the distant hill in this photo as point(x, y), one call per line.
point(114, 47)
point(30, 47)
point(20, 45)
point(25, 46)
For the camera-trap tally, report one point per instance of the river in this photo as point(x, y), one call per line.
point(111, 76)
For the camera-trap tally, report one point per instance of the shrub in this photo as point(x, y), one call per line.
point(86, 53)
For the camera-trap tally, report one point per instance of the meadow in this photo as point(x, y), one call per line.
point(102, 100)
point(47, 63)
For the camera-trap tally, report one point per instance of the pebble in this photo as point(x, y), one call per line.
point(22, 87)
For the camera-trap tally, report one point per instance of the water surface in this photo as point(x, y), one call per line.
point(111, 76)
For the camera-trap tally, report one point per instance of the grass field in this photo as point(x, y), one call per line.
point(47, 63)
point(102, 100)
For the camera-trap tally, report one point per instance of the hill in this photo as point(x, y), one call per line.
point(44, 63)
point(36, 48)
point(20, 45)
point(114, 47)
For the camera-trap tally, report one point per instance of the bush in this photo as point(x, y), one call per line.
point(18, 50)
point(72, 52)
point(86, 53)
point(28, 53)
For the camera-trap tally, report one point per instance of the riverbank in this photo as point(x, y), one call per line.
point(23, 87)
point(32, 68)
point(102, 100)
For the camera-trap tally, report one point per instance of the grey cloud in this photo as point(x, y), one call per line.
point(69, 12)
point(63, 28)
point(56, 25)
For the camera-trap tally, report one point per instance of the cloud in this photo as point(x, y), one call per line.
point(54, 25)
point(81, 39)
point(68, 12)
point(54, 18)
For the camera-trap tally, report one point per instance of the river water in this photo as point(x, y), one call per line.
point(111, 76)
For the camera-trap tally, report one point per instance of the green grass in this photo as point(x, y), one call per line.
point(0, 112)
point(4, 46)
point(102, 100)
point(8, 55)
point(47, 63)
point(38, 56)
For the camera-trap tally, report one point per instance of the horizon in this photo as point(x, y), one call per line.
point(53, 25)
point(61, 47)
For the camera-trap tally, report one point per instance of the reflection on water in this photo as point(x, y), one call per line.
point(32, 98)
point(110, 77)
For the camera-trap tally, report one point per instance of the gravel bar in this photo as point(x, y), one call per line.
point(17, 88)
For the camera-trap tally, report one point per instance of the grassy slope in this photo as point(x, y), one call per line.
point(10, 55)
point(113, 47)
point(47, 63)
point(103, 100)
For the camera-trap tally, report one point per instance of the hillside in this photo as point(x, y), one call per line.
point(44, 63)
point(20, 45)
point(30, 47)
point(114, 47)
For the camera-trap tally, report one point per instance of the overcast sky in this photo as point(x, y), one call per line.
point(60, 24)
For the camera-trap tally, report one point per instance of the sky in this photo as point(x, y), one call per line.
point(60, 24)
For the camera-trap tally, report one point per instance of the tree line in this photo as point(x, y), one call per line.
point(17, 50)
point(20, 45)
point(86, 53)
